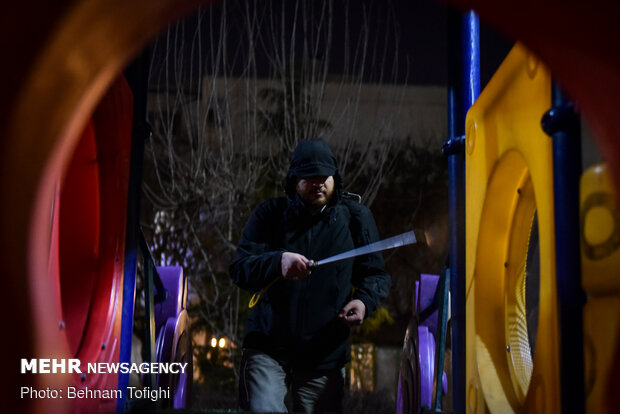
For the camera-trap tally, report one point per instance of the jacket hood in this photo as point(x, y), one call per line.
point(311, 158)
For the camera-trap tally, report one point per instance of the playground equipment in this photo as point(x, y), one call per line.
point(525, 321)
point(67, 55)
point(423, 356)
point(600, 260)
point(509, 181)
point(90, 283)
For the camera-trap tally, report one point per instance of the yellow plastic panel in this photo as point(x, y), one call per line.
point(601, 320)
point(600, 263)
point(600, 233)
point(509, 179)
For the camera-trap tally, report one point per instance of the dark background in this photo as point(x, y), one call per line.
point(421, 35)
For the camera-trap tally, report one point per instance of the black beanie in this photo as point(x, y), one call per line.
point(311, 158)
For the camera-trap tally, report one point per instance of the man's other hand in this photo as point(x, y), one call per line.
point(353, 313)
point(294, 266)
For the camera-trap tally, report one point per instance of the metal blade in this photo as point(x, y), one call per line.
point(385, 244)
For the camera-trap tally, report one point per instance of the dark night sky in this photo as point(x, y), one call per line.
point(421, 28)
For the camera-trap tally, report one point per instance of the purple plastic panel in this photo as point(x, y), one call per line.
point(165, 350)
point(179, 400)
point(426, 332)
point(168, 351)
point(426, 295)
point(175, 283)
point(427, 364)
point(421, 390)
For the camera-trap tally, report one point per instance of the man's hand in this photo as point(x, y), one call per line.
point(294, 266)
point(353, 313)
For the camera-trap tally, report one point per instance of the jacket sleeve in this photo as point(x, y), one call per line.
point(257, 261)
point(370, 279)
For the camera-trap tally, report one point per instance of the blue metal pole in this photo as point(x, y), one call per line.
point(463, 89)
point(137, 77)
point(562, 123)
point(471, 61)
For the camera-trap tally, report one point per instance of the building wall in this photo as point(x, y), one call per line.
point(363, 113)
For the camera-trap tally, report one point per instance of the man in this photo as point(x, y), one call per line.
point(297, 336)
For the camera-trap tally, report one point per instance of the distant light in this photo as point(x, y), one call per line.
point(222, 342)
point(213, 342)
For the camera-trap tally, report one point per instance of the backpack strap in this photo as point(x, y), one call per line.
point(353, 202)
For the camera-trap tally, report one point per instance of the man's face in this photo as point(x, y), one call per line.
point(316, 191)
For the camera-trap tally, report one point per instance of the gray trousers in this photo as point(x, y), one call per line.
point(266, 386)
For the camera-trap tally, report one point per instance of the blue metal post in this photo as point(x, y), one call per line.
point(562, 123)
point(137, 77)
point(463, 89)
point(471, 61)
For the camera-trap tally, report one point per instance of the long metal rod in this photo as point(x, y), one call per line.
point(463, 90)
point(440, 346)
point(563, 124)
point(137, 76)
point(150, 347)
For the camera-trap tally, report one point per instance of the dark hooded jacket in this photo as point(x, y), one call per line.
point(296, 321)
